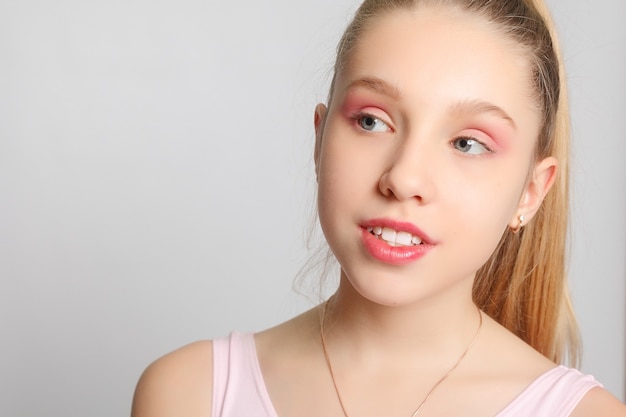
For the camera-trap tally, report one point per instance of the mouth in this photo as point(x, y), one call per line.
point(394, 237)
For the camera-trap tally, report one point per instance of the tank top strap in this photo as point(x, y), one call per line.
point(238, 386)
point(553, 394)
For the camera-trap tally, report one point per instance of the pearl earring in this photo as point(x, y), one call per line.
point(519, 224)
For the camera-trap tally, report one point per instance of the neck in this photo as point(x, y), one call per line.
point(436, 325)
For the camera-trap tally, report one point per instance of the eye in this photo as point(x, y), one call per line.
point(371, 123)
point(470, 146)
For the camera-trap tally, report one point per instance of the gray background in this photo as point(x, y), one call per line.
point(156, 183)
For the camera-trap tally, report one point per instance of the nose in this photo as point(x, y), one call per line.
point(410, 174)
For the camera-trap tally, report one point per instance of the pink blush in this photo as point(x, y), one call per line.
point(497, 138)
point(500, 137)
point(356, 103)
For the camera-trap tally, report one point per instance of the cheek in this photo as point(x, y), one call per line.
point(346, 162)
point(486, 207)
point(335, 174)
point(482, 216)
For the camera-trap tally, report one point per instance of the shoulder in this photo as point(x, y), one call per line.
point(566, 385)
point(599, 402)
point(179, 383)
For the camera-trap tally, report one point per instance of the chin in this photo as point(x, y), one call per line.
point(392, 293)
point(398, 290)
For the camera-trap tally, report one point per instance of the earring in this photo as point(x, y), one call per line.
point(519, 224)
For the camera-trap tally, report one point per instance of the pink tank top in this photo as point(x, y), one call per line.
point(239, 390)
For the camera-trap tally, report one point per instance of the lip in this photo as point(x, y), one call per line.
point(394, 255)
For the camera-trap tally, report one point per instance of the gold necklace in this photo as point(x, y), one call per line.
point(419, 407)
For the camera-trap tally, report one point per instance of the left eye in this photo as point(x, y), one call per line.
point(372, 124)
point(470, 146)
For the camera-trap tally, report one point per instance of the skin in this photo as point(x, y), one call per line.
point(391, 145)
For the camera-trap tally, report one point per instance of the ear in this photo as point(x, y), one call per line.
point(319, 121)
point(536, 189)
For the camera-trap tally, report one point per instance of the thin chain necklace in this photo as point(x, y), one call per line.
point(419, 407)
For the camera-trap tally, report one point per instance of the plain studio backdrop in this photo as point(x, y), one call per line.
point(156, 183)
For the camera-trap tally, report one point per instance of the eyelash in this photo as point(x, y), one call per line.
point(357, 118)
point(473, 139)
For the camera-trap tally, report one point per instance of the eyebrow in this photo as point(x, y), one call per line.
point(472, 107)
point(376, 85)
point(475, 107)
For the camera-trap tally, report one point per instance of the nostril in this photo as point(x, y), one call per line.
point(384, 185)
point(402, 184)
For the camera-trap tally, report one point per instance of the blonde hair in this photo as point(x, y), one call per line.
point(523, 284)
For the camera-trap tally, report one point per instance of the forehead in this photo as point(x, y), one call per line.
point(441, 56)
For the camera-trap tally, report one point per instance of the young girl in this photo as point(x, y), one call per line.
point(441, 163)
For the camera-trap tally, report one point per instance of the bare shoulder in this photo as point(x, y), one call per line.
point(508, 356)
point(599, 402)
point(177, 384)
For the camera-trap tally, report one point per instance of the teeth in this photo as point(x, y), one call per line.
point(394, 238)
point(404, 238)
point(389, 235)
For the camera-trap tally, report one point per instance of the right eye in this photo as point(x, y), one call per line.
point(371, 123)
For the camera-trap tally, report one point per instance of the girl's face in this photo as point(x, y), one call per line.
point(424, 156)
